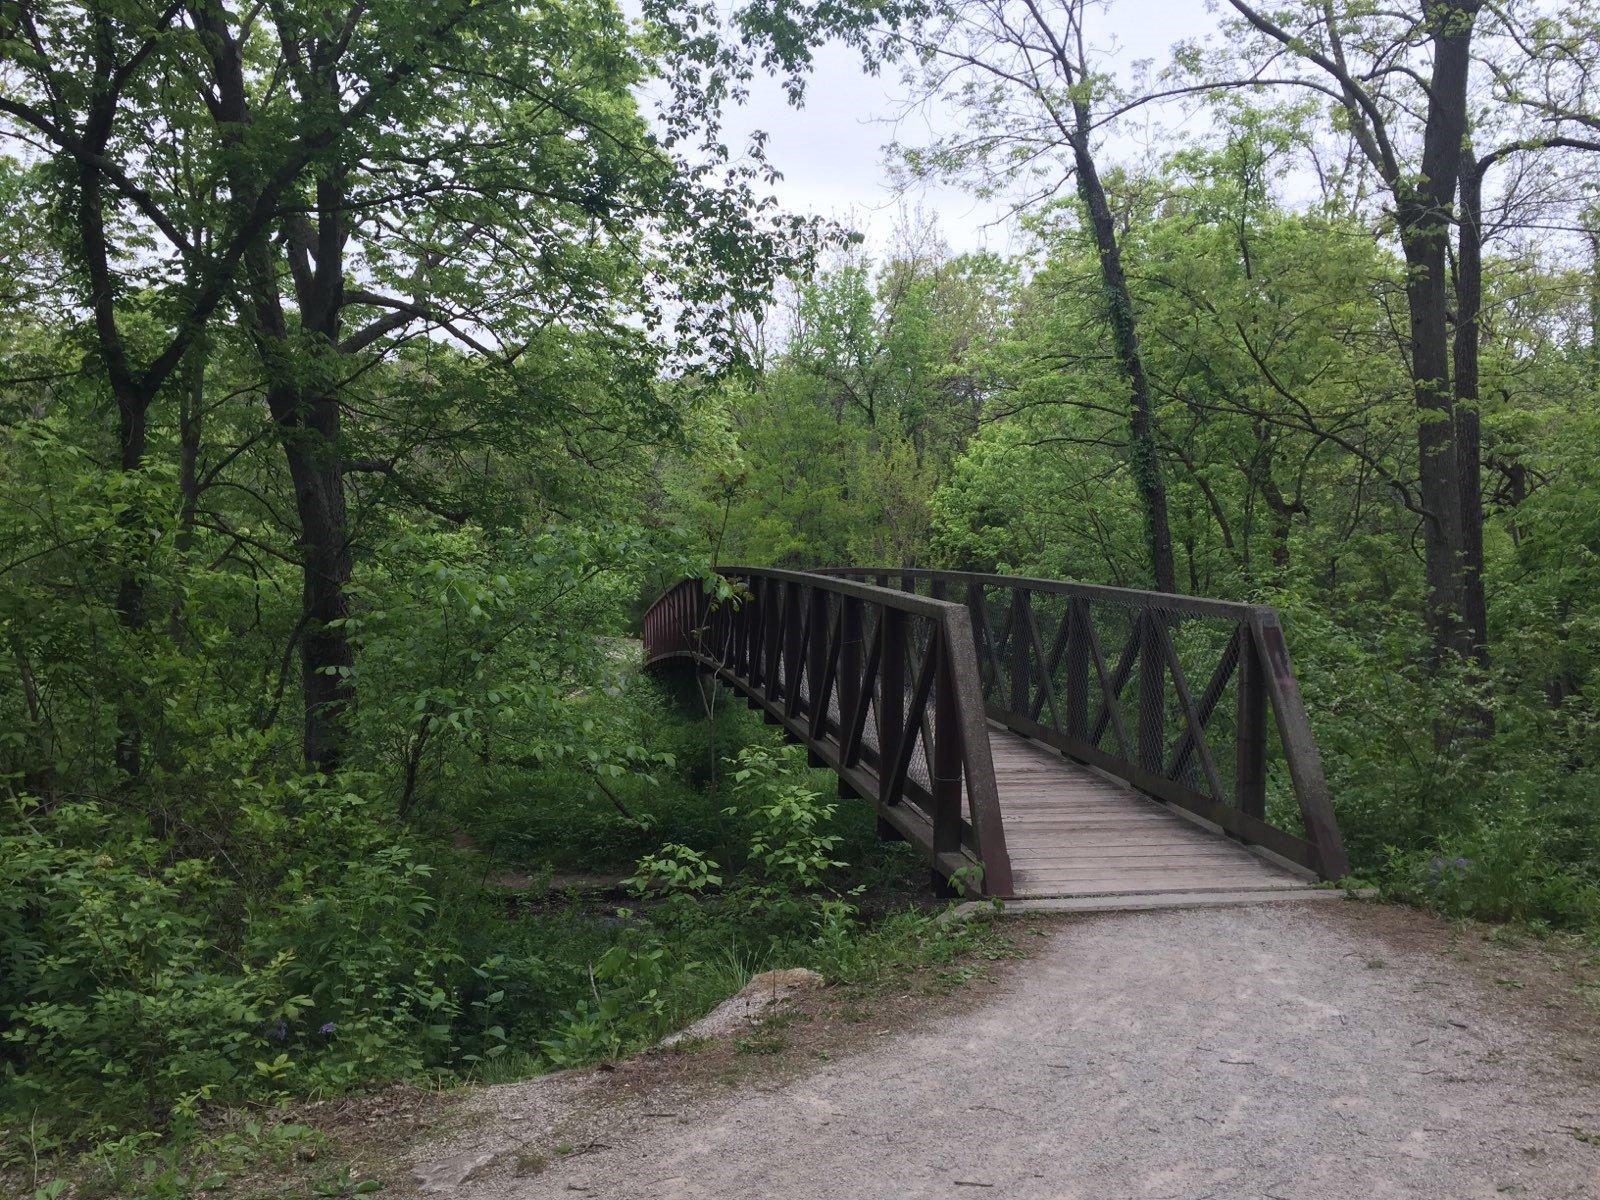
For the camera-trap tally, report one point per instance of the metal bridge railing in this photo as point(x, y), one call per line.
point(1170, 693)
point(881, 685)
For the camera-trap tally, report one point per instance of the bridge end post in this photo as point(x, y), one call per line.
point(1299, 746)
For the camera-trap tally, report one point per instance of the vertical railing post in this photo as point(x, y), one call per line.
point(771, 682)
point(1250, 742)
point(752, 614)
point(1077, 680)
point(891, 696)
point(817, 658)
point(1152, 691)
point(752, 633)
point(850, 660)
point(945, 765)
point(700, 608)
point(1021, 655)
point(793, 633)
point(983, 651)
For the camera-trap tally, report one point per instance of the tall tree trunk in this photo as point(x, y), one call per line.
point(132, 398)
point(307, 416)
point(309, 430)
point(1424, 212)
point(1469, 441)
point(1142, 449)
point(326, 653)
point(191, 427)
point(1594, 298)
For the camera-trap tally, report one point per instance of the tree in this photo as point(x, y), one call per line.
point(1023, 75)
point(479, 173)
point(1374, 100)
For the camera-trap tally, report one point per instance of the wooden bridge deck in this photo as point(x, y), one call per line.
point(1072, 831)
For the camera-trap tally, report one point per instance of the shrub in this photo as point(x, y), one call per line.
point(120, 1003)
point(139, 983)
point(1494, 871)
point(788, 819)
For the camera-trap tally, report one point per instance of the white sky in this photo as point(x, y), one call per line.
point(831, 152)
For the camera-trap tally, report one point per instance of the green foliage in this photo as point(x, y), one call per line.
point(674, 869)
point(1501, 870)
point(627, 1003)
point(787, 818)
point(551, 365)
point(141, 986)
point(115, 993)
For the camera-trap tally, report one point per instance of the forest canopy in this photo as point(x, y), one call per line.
point(366, 371)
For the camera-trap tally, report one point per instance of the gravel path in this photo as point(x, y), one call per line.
point(1269, 1051)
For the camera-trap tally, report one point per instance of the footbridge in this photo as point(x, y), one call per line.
point(1033, 738)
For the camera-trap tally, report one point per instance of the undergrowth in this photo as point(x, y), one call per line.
point(161, 1010)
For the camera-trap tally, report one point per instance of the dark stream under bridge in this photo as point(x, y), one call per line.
point(1033, 738)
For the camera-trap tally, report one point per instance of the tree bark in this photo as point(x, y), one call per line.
point(306, 414)
point(1424, 211)
point(1143, 453)
point(1594, 300)
point(326, 653)
point(1469, 439)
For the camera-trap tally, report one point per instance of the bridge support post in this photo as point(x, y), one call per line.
point(849, 670)
point(818, 648)
point(772, 634)
point(945, 760)
point(1077, 682)
point(1021, 662)
point(793, 646)
point(1250, 744)
point(891, 698)
point(1152, 692)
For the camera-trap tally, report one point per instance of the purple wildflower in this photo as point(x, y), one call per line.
point(328, 1027)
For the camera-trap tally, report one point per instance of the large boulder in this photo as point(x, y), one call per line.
point(749, 1005)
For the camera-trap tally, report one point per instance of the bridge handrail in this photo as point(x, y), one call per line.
point(1173, 764)
point(819, 654)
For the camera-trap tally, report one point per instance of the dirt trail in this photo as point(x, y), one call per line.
point(1270, 1051)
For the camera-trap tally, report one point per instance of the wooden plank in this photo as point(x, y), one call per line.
point(1239, 824)
point(1029, 844)
point(1141, 866)
point(1040, 890)
point(1033, 854)
point(1165, 876)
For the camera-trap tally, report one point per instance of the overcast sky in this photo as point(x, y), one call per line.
point(831, 152)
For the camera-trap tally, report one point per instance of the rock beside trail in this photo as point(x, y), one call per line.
point(440, 1175)
point(749, 1005)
